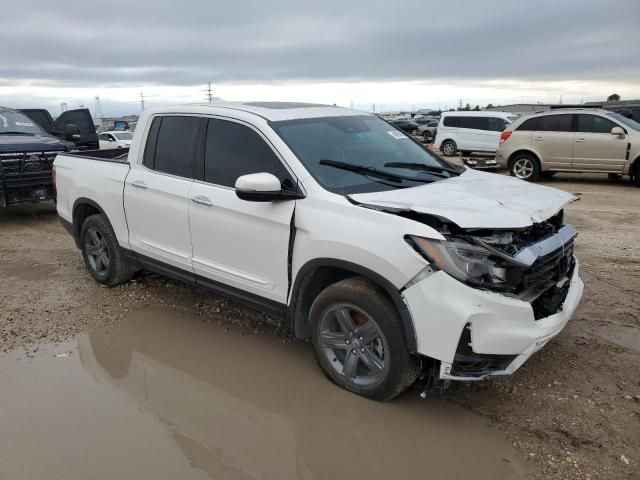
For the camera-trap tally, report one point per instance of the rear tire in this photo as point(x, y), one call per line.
point(525, 167)
point(101, 252)
point(635, 175)
point(359, 341)
point(449, 148)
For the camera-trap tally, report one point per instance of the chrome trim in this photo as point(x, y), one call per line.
point(528, 255)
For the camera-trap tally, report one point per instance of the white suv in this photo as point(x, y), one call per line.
point(467, 132)
point(393, 262)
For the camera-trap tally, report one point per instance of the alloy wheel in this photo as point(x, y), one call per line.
point(97, 252)
point(523, 168)
point(354, 345)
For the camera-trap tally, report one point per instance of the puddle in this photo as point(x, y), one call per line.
point(167, 396)
point(26, 271)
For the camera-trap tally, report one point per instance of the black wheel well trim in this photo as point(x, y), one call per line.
point(77, 226)
point(528, 152)
point(634, 168)
point(298, 319)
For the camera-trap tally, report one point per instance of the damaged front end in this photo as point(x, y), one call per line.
point(533, 264)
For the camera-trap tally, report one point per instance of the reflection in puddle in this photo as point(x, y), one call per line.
point(168, 396)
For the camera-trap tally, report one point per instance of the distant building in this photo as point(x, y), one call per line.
point(520, 108)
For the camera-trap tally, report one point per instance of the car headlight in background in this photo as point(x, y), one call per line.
point(466, 262)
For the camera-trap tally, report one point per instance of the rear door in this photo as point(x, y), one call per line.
point(553, 139)
point(41, 116)
point(236, 242)
point(156, 193)
point(595, 148)
point(491, 136)
point(86, 139)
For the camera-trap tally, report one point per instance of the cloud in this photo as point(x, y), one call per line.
point(118, 43)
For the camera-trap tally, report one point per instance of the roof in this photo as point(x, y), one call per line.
point(271, 111)
point(475, 113)
point(557, 111)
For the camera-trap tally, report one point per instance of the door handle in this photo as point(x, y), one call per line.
point(202, 200)
point(538, 138)
point(138, 184)
point(580, 140)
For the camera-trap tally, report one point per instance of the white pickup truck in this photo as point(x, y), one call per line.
point(394, 263)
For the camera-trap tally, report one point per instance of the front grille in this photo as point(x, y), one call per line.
point(547, 281)
point(26, 176)
point(548, 270)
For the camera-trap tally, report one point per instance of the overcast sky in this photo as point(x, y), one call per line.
point(395, 54)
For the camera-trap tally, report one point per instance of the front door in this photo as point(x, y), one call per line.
point(595, 148)
point(156, 192)
point(236, 242)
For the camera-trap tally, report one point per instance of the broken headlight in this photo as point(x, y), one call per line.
point(471, 264)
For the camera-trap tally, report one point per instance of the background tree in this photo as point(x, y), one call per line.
point(614, 97)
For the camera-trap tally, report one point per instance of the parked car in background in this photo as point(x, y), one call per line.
point(390, 260)
point(571, 140)
point(429, 128)
point(26, 158)
point(467, 132)
point(72, 125)
point(406, 125)
point(115, 139)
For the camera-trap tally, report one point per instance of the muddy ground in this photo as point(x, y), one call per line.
point(573, 411)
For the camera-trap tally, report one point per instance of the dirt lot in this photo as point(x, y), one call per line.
point(573, 411)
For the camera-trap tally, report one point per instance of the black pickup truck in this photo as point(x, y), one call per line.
point(26, 157)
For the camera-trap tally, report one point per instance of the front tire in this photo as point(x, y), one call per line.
point(449, 148)
point(101, 252)
point(359, 341)
point(525, 167)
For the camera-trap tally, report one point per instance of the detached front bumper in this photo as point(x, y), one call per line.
point(494, 334)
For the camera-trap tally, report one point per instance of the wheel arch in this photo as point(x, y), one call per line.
point(318, 274)
point(528, 151)
point(82, 209)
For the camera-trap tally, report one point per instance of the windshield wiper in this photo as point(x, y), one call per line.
point(421, 167)
point(16, 133)
point(374, 172)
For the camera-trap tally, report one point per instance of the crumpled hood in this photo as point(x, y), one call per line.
point(475, 200)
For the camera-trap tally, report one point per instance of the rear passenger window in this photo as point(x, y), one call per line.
point(497, 124)
point(594, 124)
point(555, 123)
point(476, 123)
point(233, 150)
point(178, 145)
point(451, 121)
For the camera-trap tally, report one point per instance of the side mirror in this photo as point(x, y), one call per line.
point(71, 132)
point(617, 131)
point(262, 187)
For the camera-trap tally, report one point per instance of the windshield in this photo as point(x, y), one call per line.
point(360, 141)
point(627, 121)
point(17, 123)
point(123, 135)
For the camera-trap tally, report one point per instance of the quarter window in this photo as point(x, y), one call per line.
point(233, 150)
point(594, 124)
point(451, 121)
point(529, 125)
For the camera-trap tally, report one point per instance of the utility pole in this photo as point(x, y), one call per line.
point(142, 102)
point(98, 108)
point(373, 108)
point(63, 106)
point(209, 92)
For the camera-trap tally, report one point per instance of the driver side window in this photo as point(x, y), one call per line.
point(233, 150)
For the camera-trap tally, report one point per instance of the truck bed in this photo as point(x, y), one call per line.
point(118, 155)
